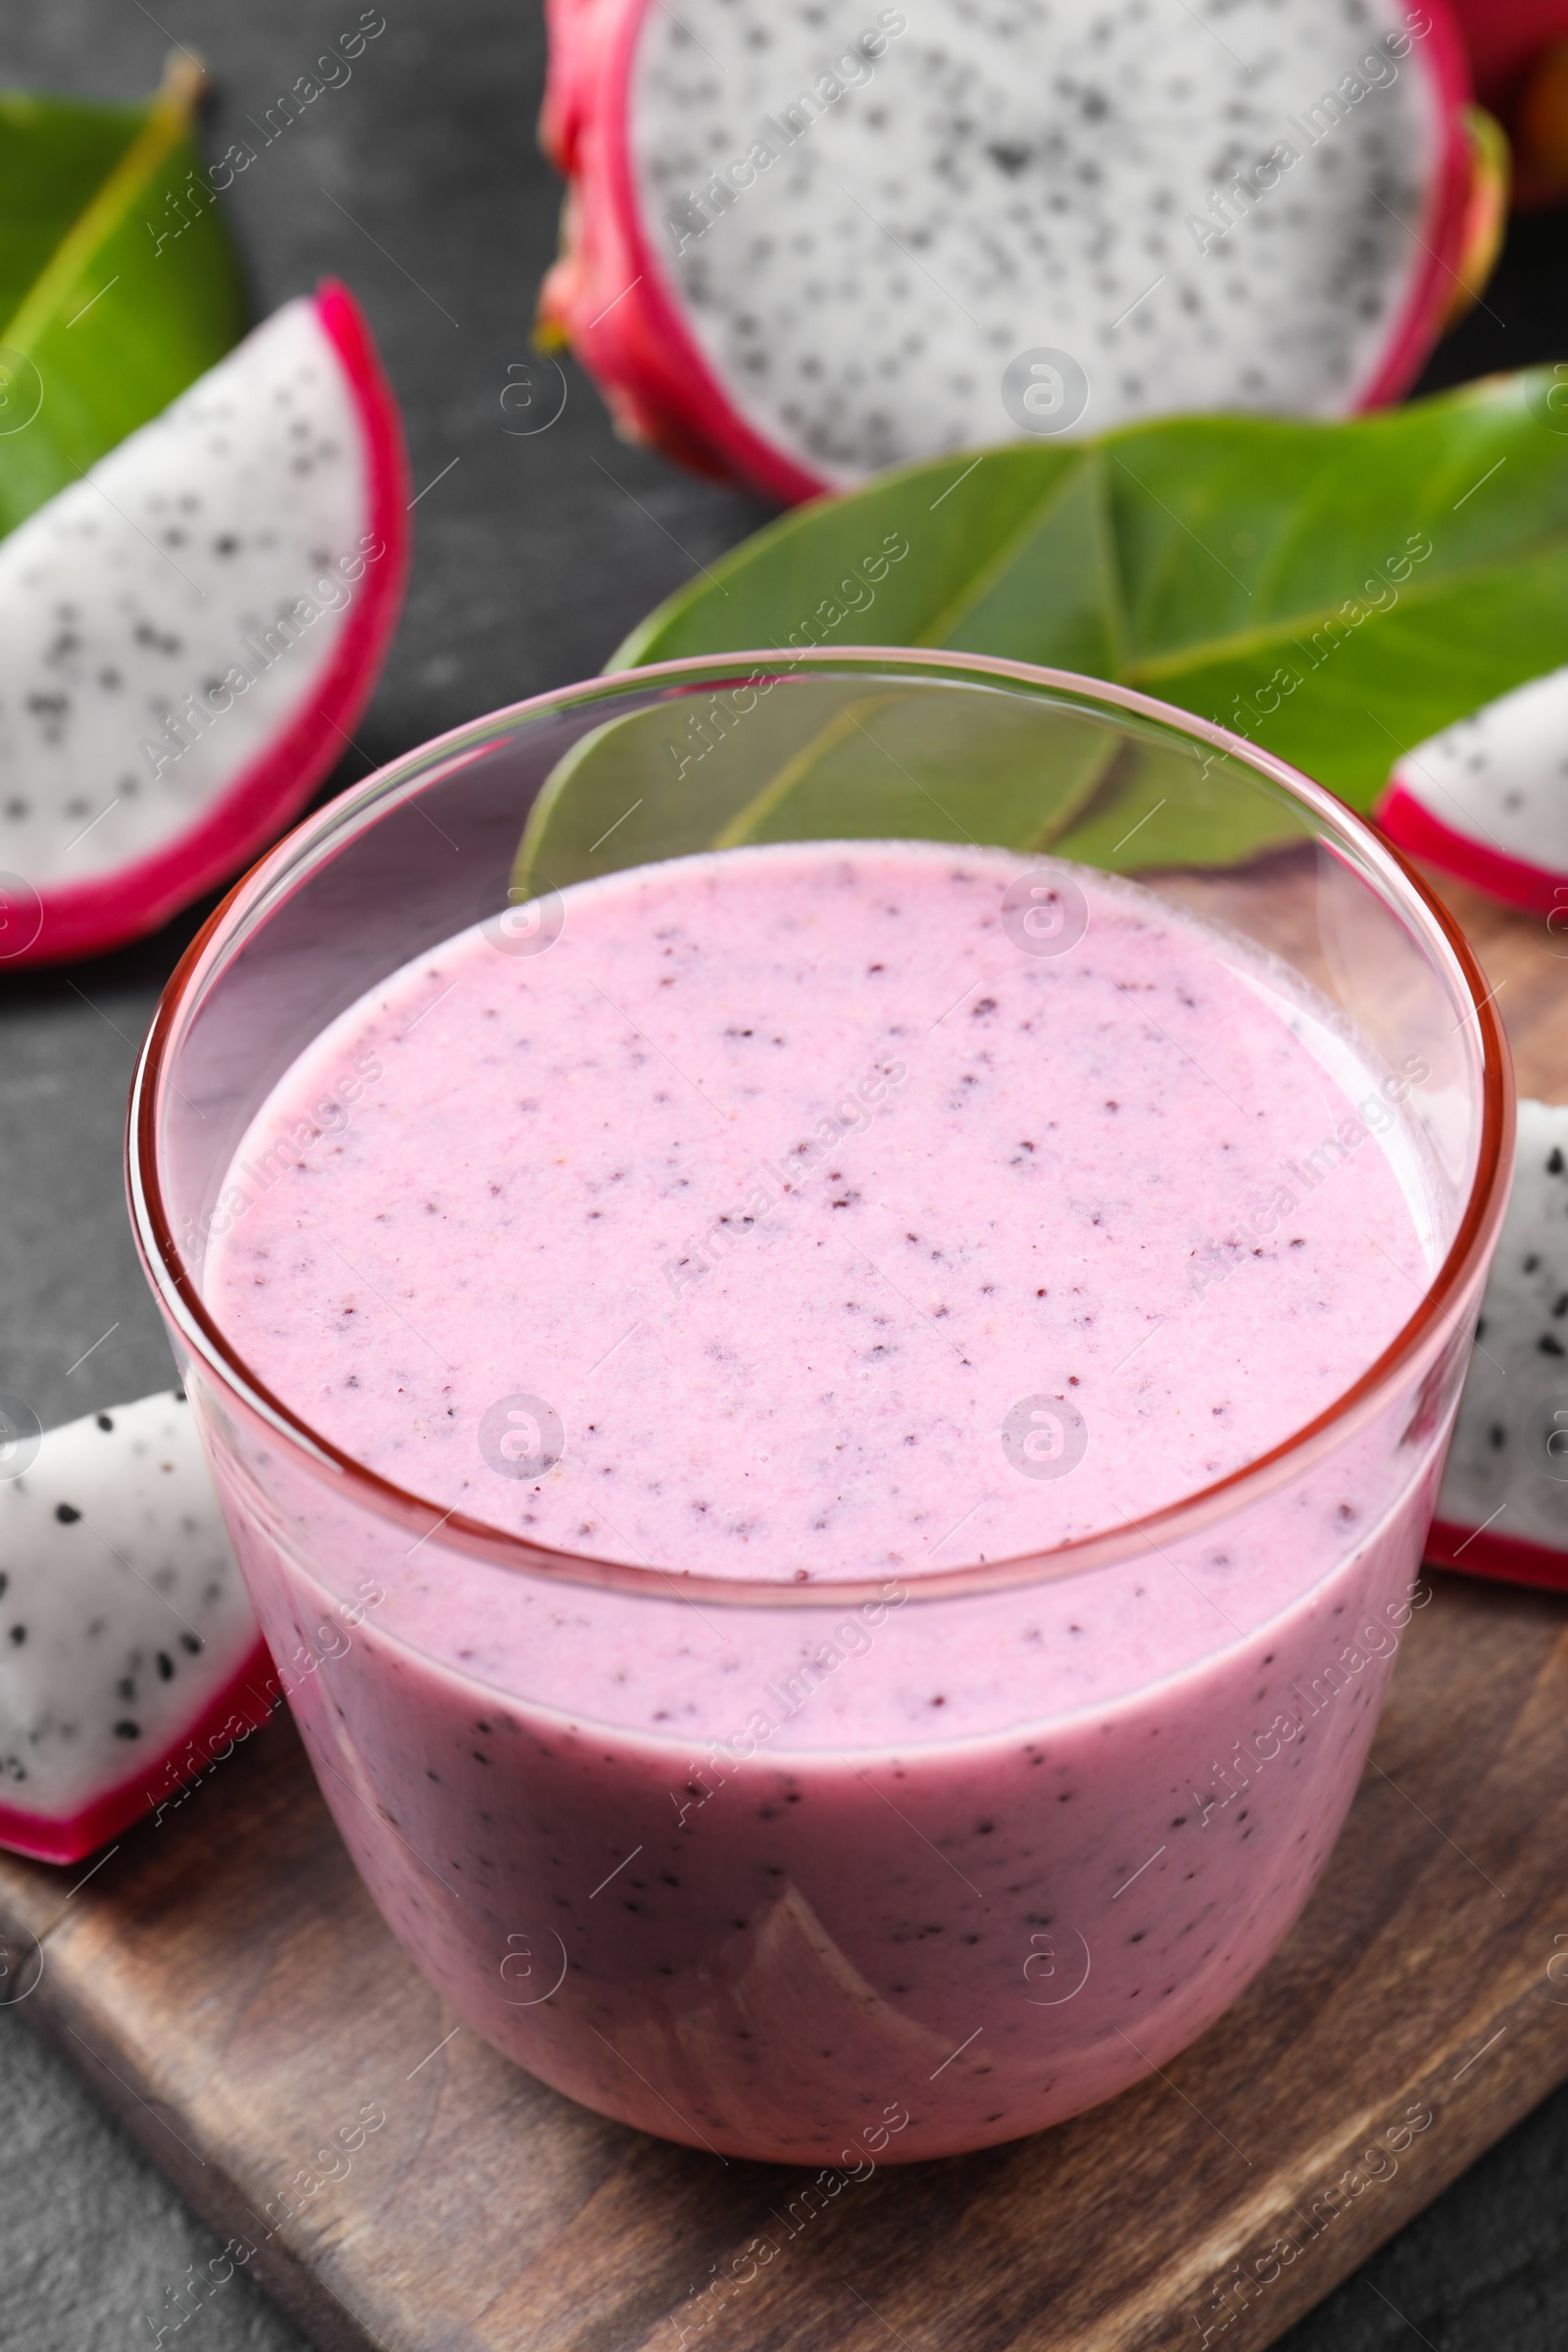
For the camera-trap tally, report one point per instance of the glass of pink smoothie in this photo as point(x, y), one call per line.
point(828, 1374)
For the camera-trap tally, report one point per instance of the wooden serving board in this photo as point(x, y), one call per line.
point(226, 1986)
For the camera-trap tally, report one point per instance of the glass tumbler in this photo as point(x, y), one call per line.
point(755, 1920)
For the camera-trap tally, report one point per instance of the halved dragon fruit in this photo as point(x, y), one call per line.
point(1503, 1507)
point(189, 632)
point(804, 241)
point(1487, 799)
point(127, 1638)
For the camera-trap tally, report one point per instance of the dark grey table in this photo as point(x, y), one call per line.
point(419, 182)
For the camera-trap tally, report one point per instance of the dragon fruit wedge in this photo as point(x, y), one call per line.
point(1503, 1507)
point(188, 633)
point(804, 239)
point(127, 1639)
point(1487, 799)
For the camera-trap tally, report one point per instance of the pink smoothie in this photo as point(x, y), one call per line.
point(802, 1214)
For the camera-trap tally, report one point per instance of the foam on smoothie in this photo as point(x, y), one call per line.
point(785, 1176)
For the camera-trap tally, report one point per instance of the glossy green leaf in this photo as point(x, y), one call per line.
point(822, 759)
point(1332, 591)
point(665, 781)
point(119, 281)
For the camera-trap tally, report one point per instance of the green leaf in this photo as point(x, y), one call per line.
point(1334, 591)
point(662, 782)
point(119, 281)
point(828, 759)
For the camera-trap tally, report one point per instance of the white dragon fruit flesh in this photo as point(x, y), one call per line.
point(126, 1636)
point(188, 633)
point(804, 239)
point(1503, 1505)
point(1487, 799)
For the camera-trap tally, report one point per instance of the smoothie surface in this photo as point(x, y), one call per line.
point(839, 1223)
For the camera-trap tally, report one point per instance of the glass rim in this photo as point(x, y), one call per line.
point(175, 1287)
